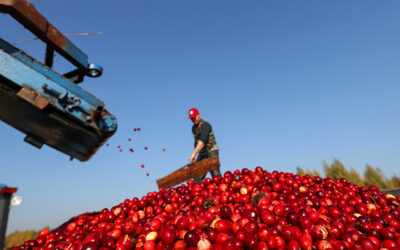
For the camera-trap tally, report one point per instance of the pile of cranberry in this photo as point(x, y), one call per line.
point(240, 210)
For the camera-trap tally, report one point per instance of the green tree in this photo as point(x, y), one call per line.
point(355, 178)
point(315, 173)
point(374, 176)
point(336, 170)
point(300, 171)
point(311, 173)
point(394, 182)
point(18, 238)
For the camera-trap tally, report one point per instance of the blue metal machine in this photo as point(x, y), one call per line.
point(50, 108)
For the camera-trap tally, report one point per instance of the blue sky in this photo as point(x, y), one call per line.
point(283, 83)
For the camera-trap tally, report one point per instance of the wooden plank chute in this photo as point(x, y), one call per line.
point(188, 172)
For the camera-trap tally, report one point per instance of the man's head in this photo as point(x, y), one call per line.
point(194, 115)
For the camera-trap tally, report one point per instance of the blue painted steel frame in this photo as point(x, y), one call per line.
point(44, 70)
point(41, 87)
point(26, 71)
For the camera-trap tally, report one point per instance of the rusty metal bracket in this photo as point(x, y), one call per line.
point(34, 141)
point(33, 98)
point(25, 13)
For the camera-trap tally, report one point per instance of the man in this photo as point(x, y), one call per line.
point(204, 142)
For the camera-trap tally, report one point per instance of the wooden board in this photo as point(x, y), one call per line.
point(188, 172)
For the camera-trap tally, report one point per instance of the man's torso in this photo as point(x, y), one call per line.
point(203, 131)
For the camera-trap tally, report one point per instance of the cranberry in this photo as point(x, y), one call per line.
point(225, 212)
point(191, 238)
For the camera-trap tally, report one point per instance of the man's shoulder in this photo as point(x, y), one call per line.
point(206, 125)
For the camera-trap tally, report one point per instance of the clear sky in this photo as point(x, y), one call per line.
point(283, 83)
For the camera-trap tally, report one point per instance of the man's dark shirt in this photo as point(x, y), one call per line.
point(205, 132)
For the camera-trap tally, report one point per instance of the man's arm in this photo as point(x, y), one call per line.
point(196, 150)
point(205, 131)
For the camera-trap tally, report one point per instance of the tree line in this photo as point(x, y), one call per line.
point(371, 176)
point(18, 238)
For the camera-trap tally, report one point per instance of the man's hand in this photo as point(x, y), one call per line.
point(193, 158)
point(197, 149)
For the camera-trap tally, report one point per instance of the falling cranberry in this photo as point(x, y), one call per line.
point(129, 139)
point(131, 150)
point(142, 166)
point(120, 150)
point(138, 129)
point(145, 148)
point(134, 129)
point(118, 146)
point(107, 145)
point(147, 174)
point(163, 149)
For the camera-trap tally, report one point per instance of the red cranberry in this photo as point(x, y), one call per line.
point(191, 238)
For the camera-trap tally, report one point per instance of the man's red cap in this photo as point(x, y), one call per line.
point(193, 112)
